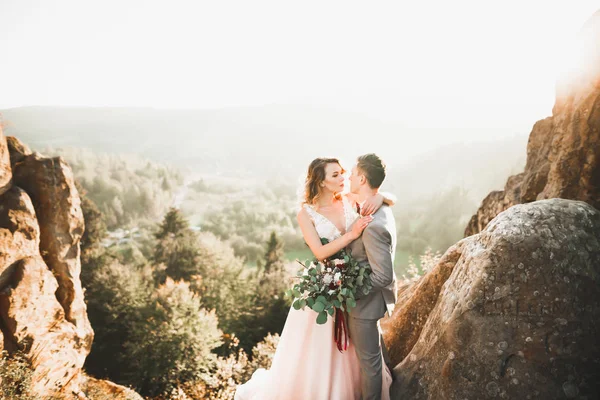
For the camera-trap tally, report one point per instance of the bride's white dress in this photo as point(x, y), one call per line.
point(307, 364)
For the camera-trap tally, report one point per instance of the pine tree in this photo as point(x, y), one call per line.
point(274, 254)
point(177, 247)
point(174, 224)
point(271, 308)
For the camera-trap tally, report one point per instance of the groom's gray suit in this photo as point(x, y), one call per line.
point(377, 247)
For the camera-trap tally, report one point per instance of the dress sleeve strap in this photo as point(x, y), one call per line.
point(311, 212)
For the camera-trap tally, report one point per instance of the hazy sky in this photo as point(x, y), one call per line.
point(462, 65)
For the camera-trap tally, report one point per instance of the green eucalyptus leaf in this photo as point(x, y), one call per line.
point(322, 318)
point(318, 306)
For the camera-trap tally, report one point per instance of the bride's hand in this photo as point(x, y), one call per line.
point(372, 204)
point(360, 226)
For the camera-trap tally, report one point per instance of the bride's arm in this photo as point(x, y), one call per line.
point(312, 239)
point(373, 203)
point(389, 198)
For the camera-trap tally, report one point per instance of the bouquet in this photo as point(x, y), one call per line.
point(329, 288)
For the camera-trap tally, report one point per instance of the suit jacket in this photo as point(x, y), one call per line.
point(377, 247)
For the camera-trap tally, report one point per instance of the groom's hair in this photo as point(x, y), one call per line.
point(373, 169)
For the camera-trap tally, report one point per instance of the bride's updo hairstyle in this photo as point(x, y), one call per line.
point(314, 178)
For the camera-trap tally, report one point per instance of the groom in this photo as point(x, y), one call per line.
point(376, 247)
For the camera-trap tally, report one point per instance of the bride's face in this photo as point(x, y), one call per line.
point(334, 178)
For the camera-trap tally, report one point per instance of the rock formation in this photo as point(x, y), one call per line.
point(513, 309)
point(5, 170)
point(517, 317)
point(42, 310)
point(563, 153)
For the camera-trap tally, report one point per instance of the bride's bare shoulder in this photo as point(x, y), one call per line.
point(302, 214)
point(305, 221)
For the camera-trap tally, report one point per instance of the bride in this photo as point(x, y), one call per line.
point(307, 364)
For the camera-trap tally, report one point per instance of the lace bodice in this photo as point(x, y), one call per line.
point(327, 229)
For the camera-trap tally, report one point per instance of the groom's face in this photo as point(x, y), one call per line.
point(354, 180)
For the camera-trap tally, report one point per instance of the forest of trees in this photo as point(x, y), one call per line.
point(246, 223)
point(185, 317)
point(435, 222)
point(422, 222)
point(131, 191)
point(127, 189)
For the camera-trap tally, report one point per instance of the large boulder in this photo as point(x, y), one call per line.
point(51, 186)
point(19, 230)
point(518, 315)
point(414, 305)
point(42, 310)
point(36, 322)
point(31, 317)
point(563, 152)
point(17, 149)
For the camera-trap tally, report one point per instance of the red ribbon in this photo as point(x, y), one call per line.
point(340, 331)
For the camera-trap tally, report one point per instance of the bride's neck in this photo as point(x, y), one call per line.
point(326, 200)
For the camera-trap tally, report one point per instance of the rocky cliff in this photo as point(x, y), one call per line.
point(513, 310)
point(563, 152)
point(42, 310)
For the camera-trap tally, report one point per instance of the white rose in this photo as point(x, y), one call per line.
point(337, 276)
point(327, 278)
